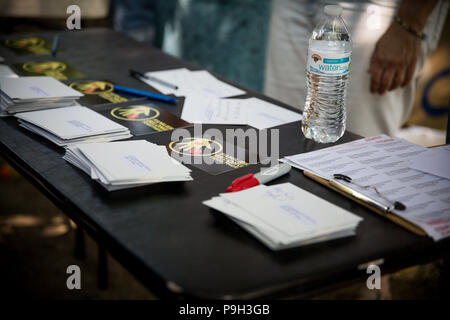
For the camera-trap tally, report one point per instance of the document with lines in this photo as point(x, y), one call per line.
point(383, 162)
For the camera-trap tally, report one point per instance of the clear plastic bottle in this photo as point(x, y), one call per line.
point(327, 75)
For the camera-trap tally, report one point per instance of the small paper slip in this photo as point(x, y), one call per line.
point(69, 125)
point(35, 93)
point(190, 83)
point(177, 77)
point(436, 161)
point(384, 162)
point(198, 109)
point(263, 114)
point(253, 111)
point(211, 86)
point(284, 216)
point(126, 164)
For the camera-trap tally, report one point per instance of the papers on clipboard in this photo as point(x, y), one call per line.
point(383, 162)
point(284, 216)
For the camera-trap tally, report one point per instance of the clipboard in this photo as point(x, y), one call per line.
point(391, 216)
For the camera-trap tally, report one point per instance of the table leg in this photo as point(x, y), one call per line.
point(102, 271)
point(80, 245)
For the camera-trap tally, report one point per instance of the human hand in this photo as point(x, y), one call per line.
point(394, 60)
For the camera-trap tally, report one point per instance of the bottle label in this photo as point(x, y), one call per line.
point(329, 63)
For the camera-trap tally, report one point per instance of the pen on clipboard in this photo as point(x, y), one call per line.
point(55, 45)
point(139, 76)
point(371, 202)
point(394, 204)
point(375, 206)
point(358, 196)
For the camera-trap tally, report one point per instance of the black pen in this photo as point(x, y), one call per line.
point(140, 76)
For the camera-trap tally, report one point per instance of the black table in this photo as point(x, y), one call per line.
point(164, 235)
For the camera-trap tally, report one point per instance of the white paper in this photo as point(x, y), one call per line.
point(121, 135)
point(177, 77)
point(192, 83)
point(32, 88)
point(209, 85)
point(71, 122)
point(254, 112)
point(204, 103)
point(291, 210)
point(126, 164)
point(284, 215)
point(262, 114)
point(436, 161)
point(198, 109)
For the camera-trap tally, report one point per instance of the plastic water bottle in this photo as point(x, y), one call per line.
point(327, 74)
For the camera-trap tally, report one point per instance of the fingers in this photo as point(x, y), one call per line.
point(375, 79)
point(389, 72)
point(408, 75)
point(398, 79)
point(386, 80)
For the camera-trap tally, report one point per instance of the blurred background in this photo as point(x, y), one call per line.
point(228, 37)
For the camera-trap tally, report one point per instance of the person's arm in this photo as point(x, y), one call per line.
point(395, 56)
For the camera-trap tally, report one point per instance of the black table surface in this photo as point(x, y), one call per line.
point(164, 235)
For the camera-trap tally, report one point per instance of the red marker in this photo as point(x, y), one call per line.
point(252, 180)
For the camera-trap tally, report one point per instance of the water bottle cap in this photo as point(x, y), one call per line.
point(332, 10)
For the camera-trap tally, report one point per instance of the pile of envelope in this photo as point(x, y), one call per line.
point(126, 164)
point(284, 215)
point(69, 125)
point(34, 93)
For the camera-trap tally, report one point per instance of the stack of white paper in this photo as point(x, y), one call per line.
point(126, 164)
point(34, 93)
point(69, 125)
point(385, 163)
point(284, 216)
point(254, 112)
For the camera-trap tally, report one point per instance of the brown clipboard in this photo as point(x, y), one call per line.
point(391, 216)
